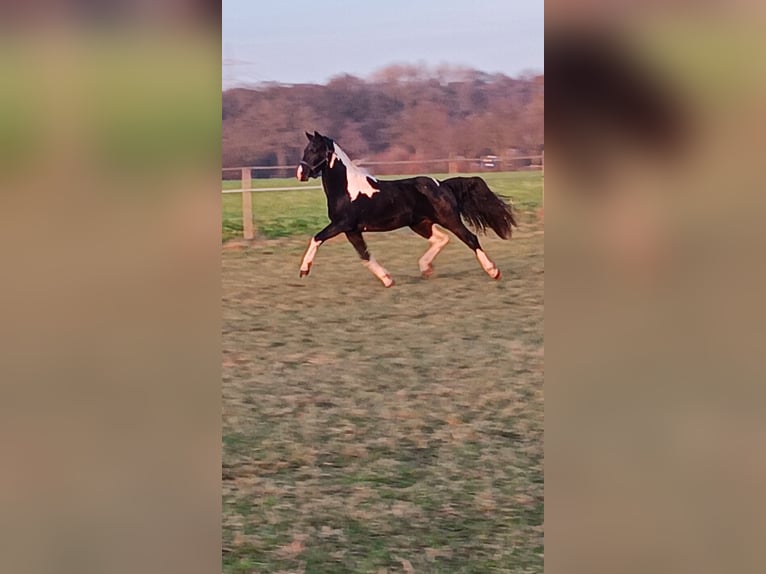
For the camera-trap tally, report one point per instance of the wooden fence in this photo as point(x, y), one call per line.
point(453, 164)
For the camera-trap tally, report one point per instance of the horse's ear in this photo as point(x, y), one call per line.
point(308, 135)
point(317, 134)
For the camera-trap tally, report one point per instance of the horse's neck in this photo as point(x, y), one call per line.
point(340, 174)
point(334, 180)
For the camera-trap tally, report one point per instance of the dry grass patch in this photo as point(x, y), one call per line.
point(383, 430)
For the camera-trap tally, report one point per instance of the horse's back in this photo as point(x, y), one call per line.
point(420, 185)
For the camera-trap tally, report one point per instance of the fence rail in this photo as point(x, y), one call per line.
point(302, 187)
point(453, 164)
point(454, 160)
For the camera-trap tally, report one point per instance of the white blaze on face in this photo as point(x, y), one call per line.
point(357, 177)
point(487, 264)
point(299, 173)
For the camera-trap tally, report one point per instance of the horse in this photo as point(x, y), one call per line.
point(358, 202)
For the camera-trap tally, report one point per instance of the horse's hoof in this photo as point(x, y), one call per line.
point(426, 273)
point(392, 282)
point(306, 272)
point(498, 276)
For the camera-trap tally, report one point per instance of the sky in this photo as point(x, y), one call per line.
point(310, 41)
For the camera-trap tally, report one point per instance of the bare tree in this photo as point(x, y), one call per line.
point(402, 111)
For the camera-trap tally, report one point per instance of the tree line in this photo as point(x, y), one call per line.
point(398, 113)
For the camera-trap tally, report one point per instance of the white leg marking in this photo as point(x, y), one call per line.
point(379, 271)
point(308, 258)
point(487, 264)
point(332, 160)
point(437, 240)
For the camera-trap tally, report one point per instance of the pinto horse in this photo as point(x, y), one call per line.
point(358, 202)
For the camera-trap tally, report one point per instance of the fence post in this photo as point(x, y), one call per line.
point(452, 168)
point(247, 204)
point(542, 171)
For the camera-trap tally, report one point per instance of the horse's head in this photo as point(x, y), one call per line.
point(316, 155)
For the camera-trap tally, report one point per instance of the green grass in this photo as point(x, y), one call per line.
point(304, 212)
point(368, 429)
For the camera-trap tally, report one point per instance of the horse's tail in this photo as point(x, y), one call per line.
point(479, 205)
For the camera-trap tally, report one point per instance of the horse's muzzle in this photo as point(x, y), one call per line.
point(301, 174)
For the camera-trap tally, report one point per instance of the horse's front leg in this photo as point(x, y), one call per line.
point(327, 233)
point(356, 239)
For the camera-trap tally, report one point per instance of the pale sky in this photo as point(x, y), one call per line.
point(299, 41)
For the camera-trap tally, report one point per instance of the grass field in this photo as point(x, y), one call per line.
point(306, 209)
point(381, 430)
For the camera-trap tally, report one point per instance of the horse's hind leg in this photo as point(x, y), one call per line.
point(470, 239)
point(356, 239)
point(436, 238)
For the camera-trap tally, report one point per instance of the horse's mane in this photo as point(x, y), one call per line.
point(351, 168)
point(356, 177)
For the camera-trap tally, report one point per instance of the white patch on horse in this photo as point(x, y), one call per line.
point(379, 271)
point(311, 252)
point(437, 240)
point(356, 177)
point(487, 264)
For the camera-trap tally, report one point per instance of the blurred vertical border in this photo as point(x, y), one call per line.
point(655, 195)
point(110, 222)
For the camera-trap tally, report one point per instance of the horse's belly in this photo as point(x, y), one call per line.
point(385, 222)
point(381, 226)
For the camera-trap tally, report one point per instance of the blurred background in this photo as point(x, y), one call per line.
point(110, 361)
point(653, 129)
